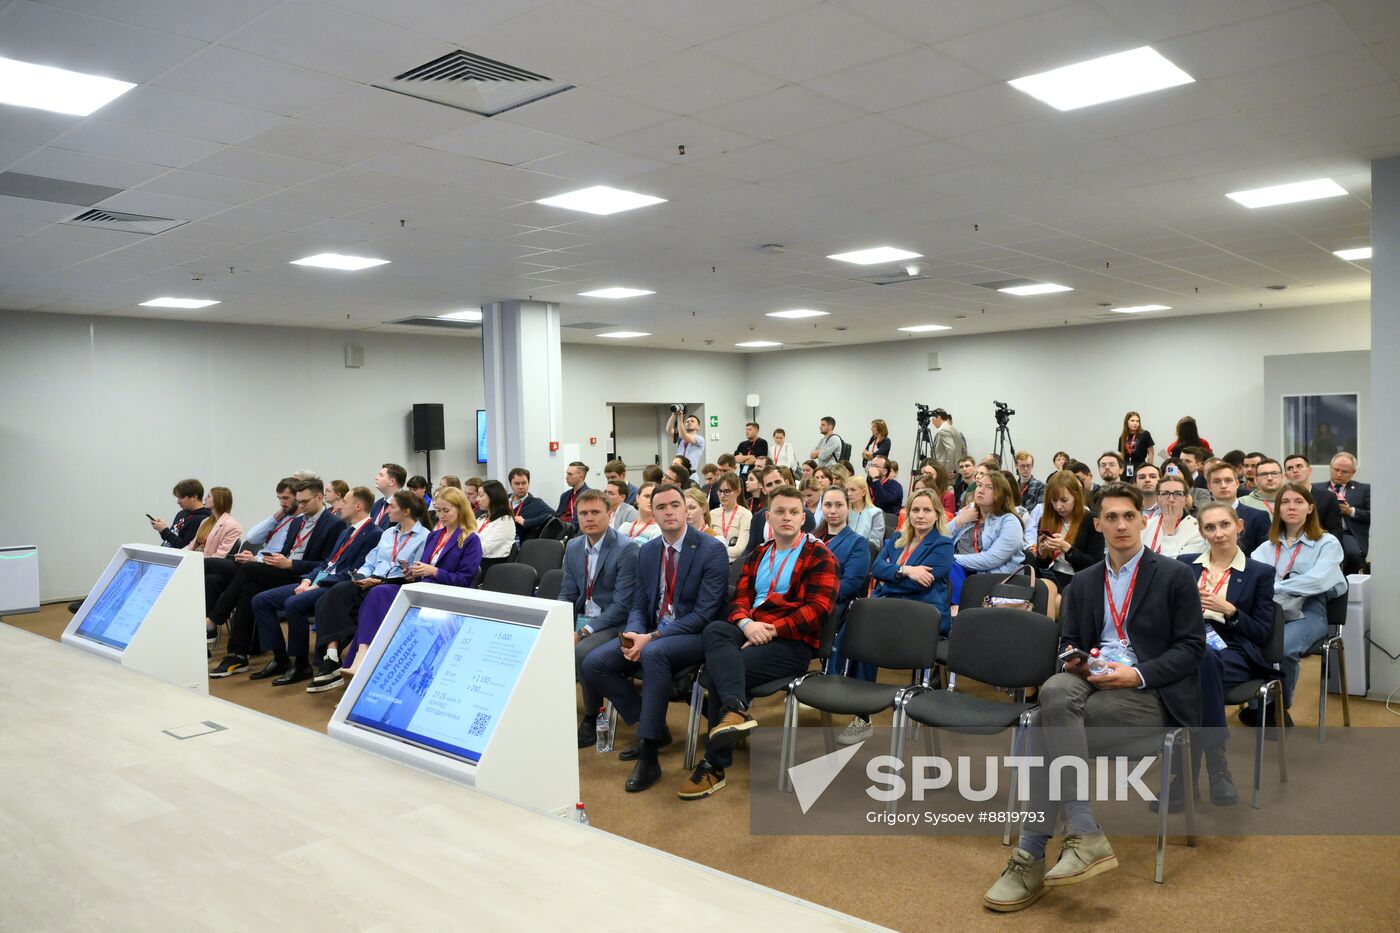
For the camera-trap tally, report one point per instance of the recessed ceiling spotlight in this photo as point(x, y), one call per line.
point(57, 90)
point(1141, 309)
point(875, 255)
point(601, 200)
point(470, 314)
point(1099, 80)
point(1039, 288)
point(924, 328)
point(190, 304)
point(615, 293)
point(624, 334)
point(758, 344)
point(1352, 255)
point(798, 313)
point(1310, 190)
point(339, 262)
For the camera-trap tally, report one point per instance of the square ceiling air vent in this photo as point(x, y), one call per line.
point(143, 224)
point(438, 322)
point(474, 83)
point(889, 278)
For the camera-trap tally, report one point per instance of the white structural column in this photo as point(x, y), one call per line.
point(524, 392)
point(1383, 436)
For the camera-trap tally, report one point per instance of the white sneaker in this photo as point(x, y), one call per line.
point(858, 731)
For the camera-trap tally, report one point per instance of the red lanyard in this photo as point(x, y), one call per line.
point(1162, 520)
point(1278, 549)
point(588, 575)
point(1224, 577)
point(669, 593)
point(1340, 492)
point(336, 556)
point(1119, 617)
point(519, 505)
point(725, 524)
point(1268, 505)
point(1128, 446)
point(398, 540)
point(638, 529)
point(437, 548)
point(280, 525)
point(301, 538)
point(773, 577)
point(569, 509)
point(977, 538)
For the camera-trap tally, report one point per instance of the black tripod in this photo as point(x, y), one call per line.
point(1003, 443)
point(923, 447)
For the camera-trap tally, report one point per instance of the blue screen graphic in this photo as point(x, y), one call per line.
point(480, 436)
point(123, 605)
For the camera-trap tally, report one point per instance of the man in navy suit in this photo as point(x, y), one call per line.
point(1354, 501)
point(388, 480)
point(297, 601)
point(1143, 612)
point(529, 511)
point(310, 537)
point(1224, 485)
point(574, 476)
point(682, 582)
point(600, 574)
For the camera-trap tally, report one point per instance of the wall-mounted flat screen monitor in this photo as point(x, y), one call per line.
point(443, 680)
point(481, 435)
point(122, 606)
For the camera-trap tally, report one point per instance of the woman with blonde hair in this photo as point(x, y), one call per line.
point(697, 511)
point(864, 518)
point(217, 533)
point(915, 563)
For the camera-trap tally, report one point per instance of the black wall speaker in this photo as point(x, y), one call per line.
point(428, 431)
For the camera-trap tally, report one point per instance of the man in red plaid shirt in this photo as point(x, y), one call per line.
point(786, 591)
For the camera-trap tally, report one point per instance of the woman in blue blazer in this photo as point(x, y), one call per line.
point(852, 551)
point(915, 563)
point(451, 557)
point(1237, 600)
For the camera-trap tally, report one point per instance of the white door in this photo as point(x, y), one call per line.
point(637, 440)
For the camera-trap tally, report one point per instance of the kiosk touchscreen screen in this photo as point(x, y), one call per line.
point(443, 680)
point(123, 605)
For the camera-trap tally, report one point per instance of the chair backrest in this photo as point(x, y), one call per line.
point(736, 569)
point(237, 543)
point(1274, 652)
point(551, 583)
point(891, 521)
point(830, 626)
point(1009, 648)
point(874, 552)
point(978, 586)
point(552, 529)
point(544, 554)
point(900, 634)
point(515, 579)
point(1337, 610)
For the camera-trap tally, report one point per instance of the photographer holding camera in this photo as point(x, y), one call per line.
point(949, 445)
point(685, 431)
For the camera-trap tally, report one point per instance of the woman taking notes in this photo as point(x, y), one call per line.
point(1171, 531)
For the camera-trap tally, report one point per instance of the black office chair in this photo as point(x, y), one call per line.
point(874, 552)
point(1262, 689)
point(896, 634)
point(1007, 648)
point(515, 579)
point(544, 554)
point(977, 587)
point(1324, 648)
point(891, 521)
point(550, 584)
point(551, 530)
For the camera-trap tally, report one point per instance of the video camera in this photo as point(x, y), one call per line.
point(1003, 413)
point(923, 413)
point(678, 409)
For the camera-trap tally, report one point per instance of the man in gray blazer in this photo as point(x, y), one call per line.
point(600, 570)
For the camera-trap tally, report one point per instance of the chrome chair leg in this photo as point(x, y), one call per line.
point(1017, 737)
point(828, 732)
point(692, 726)
point(1279, 713)
point(1264, 708)
point(1188, 764)
point(1323, 676)
point(786, 758)
point(897, 733)
point(1342, 674)
point(1164, 804)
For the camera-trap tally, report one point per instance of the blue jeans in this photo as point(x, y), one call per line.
point(1298, 636)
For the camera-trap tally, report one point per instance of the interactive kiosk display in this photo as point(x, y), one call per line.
point(19, 579)
point(144, 612)
point(473, 686)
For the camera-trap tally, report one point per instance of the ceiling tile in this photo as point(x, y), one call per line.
point(779, 113)
point(383, 114)
point(156, 108)
point(1057, 37)
point(594, 165)
point(235, 77)
point(85, 167)
point(934, 22)
point(784, 46)
point(701, 22)
point(264, 167)
point(497, 141)
point(198, 19)
point(1303, 33)
point(897, 81)
point(664, 141)
point(303, 139)
point(687, 82)
point(452, 20)
point(585, 114)
point(46, 35)
point(855, 139)
point(969, 111)
point(136, 145)
point(162, 205)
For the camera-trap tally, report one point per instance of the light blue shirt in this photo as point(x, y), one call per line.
point(999, 544)
point(695, 453)
point(1109, 645)
point(779, 562)
point(869, 523)
point(381, 562)
point(274, 543)
point(1317, 568)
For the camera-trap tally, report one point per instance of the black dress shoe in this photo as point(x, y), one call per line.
point(631, 752)
point(1249, 716)
point(645, 774)
point(294, 675)
point(273, 669)
point(587, 739)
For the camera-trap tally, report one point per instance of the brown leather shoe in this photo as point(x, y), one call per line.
point(733, 724)
point(703, 782)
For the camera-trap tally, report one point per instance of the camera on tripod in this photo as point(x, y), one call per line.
point(1003, 413)
point(923, 413)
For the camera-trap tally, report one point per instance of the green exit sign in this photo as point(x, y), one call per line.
point(714, 421)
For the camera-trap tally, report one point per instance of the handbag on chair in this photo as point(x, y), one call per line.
point(1016, 590)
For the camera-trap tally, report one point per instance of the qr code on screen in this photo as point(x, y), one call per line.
point(479, 725)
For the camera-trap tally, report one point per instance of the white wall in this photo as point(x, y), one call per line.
point(1069, 386)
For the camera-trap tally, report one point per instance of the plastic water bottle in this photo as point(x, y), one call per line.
point(1097, 665)
point(580, 814)
point(604, 740)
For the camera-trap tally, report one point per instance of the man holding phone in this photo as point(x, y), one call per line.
point(189, 496)
point(1148, 627)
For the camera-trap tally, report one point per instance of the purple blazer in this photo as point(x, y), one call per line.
point(457, 564)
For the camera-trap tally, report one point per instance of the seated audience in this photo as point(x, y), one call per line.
point(987, 535)
point(336, 491)
point(389, 480)
point(267, 534)
point(218, 533)
point(1307, 564)
point(1030, 490)
point(886, 493)
point(600, 574)
point(309, 538)
point(496, 526)
point(759, 529)
point(731, 519)
point(1224, 486)
point(1146, 477)
point(1249, 465)
point(1060, 538)
point(1297, 469)
point(620, 513)
point(1059, 462)
point(574, 475)
point(786, 590)
point(1354, 502)
point(1194, 460)
point(678, 475)
point(865, 518)
point(697, 512)
point(915, 564)
point(298, 601)
point(189, 496)
point(753, 491)
point(852, 553)
point(811, 492)
point(808, 470)
point(724, 466)
point(1264, 484)
point(1154, 681)
point(1111, 466)
point(530, 512)
point(1085, 476)
point(1172, 531)
point(449, 556)
point(616, 470)
point(644, 527)
point(651, 473)
point(418, 485)
point(965, 483)
point(682, 582)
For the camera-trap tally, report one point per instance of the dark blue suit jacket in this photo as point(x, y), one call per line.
point(353, 557)
point(702, 585)
point(319, 546)
point(1359, 498)
point(935, 551)
point(614, 582)
point(852, 553)
point(1251, 592)
point(566, 500)
point(1256, 528)
point(379, 513)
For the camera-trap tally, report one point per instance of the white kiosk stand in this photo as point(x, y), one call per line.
point(473, 686)
point(19, 579)
point(144, 614)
